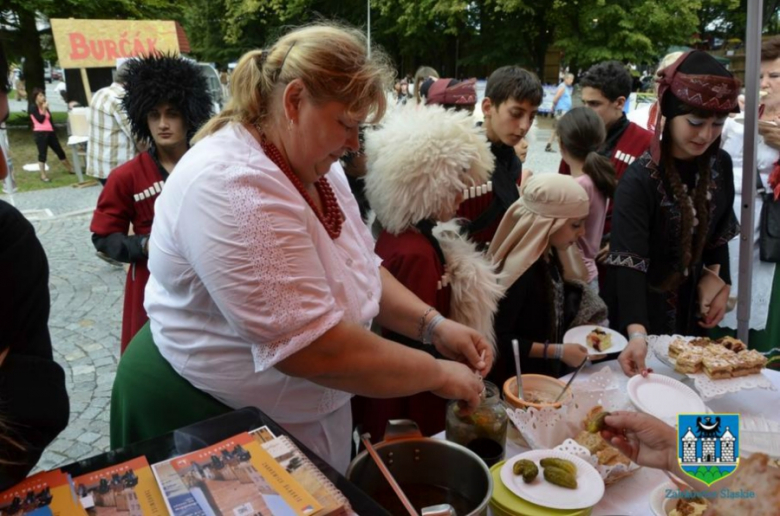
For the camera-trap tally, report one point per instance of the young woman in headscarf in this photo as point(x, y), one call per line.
point(419, 163)
point(533, 241)
point(673, 214)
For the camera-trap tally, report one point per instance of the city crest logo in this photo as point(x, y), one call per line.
point(708, 445)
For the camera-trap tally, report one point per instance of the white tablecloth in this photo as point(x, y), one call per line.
point(630, 496)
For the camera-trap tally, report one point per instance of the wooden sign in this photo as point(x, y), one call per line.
point(99, 43)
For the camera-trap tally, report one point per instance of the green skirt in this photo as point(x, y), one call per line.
point(149, 398)
point(769, 337)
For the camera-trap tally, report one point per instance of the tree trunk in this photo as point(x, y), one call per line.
point(29, 42)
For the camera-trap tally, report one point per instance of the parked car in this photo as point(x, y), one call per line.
point(56, 74)
point(215, 87)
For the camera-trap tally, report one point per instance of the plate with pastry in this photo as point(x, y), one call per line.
point(666, 500)
point(599, 340)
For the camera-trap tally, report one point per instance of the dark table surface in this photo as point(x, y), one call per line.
point(205, 433)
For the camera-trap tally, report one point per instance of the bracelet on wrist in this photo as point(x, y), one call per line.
point(636, 335)
point(556, 351)
point(421, 326)
point(428, 335)
point(546, 345)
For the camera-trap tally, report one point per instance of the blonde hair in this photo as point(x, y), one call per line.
point(420, 76)
point(331, 61)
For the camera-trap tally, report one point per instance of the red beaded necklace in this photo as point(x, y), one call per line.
point(332, 218)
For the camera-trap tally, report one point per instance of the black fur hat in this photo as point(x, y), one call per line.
point(165, 78)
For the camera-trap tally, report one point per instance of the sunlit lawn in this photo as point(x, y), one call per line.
point(23, 152)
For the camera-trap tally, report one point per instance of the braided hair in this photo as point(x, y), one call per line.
point(694, 208)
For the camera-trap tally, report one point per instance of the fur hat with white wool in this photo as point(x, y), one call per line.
point(419, 160)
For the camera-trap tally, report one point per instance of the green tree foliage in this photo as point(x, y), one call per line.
point(590, 31)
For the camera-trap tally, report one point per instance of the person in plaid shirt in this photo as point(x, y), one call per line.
point(111, 141)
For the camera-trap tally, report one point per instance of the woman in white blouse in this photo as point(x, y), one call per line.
point(263, 277)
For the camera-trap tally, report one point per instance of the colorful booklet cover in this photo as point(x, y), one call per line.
point(293, 460)
point(128, 489)
point(235, 477)
point(46, 494)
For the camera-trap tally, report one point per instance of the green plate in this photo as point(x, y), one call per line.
point(505, 503)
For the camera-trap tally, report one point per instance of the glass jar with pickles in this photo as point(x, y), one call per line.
point(484, 430)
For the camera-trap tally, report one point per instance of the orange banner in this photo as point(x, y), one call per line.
point(99, 43)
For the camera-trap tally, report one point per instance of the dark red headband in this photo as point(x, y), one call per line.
point(717, 93)
point(461, 94)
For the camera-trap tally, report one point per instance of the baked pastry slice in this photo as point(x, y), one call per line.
point(717, 367)
point(677, 346)
point(748, 362)
point(689, 361)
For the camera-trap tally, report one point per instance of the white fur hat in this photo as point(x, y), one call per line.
point(419, 160)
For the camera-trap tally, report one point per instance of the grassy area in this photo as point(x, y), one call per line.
point(23, 151)
point(22, 119)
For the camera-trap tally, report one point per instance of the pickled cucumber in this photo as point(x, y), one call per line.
point(527, 469)
point(597, 424)
point(560, 477)
point(563, 464)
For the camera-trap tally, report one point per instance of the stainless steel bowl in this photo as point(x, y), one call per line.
point(430, 471)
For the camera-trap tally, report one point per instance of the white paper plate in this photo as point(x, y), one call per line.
point(579, 334)
point(658, 499)
point(590, 486)
point(664, 397)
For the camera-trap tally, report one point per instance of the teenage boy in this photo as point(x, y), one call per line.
point(512, 99)
point(605, 88)
point(166, 102)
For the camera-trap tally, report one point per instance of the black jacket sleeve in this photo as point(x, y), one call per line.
point(121, 247)
point(508, 318)
point(33, 112)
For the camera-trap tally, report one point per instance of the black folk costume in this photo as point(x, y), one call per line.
point(648, 280)
point(540, 305)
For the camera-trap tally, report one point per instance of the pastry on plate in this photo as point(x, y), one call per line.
point(677, 346)
point(717, 367)
point(689, 361)
point(701, 342)
point(599, 340)
point(731, 344)
point(748, 362)
point(756, 475)
point(689, 507)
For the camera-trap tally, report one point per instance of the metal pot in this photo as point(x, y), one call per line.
point(430, 471)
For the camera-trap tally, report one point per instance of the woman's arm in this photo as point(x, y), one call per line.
point(350, 358)
point(403, 312)
point(629, 261)
point(37, 115)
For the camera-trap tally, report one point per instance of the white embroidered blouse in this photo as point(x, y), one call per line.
point(243, 275)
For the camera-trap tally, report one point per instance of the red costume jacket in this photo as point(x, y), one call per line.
point(413, 261)
point(128, 198)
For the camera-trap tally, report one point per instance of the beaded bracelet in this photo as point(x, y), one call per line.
point(421, 327)
point(428, 336)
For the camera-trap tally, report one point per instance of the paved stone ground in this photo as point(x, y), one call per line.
point(86, 313)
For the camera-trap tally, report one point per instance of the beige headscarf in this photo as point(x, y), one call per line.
point(547, 202)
